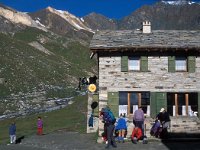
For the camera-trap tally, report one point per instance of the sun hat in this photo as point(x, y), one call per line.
point(162, 109)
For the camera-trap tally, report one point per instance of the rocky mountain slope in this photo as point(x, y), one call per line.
point(99, 22)
point(43, 54)
point(63, 23)
point(163, 15)
point(38, 64)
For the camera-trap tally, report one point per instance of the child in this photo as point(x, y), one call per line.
point(12, 133)
point(121, 127)
point(39, 126)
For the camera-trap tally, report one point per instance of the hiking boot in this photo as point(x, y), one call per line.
point(122, 138)
point(134, 140)
point(114, 146)
point(107, 147)
point(118, 139)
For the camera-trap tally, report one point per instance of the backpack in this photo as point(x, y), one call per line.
point(90, 121)
point(112, 117)
point(109, 116)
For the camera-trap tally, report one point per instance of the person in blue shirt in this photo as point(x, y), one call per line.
point(121, 127)
point(12, 132)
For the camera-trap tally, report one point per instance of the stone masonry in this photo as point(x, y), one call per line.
point(111, 79)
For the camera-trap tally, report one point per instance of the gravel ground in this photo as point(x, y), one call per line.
point(75, 141)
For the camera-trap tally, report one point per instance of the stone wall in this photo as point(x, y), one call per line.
point(157, 79)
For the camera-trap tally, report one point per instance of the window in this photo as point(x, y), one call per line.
point(180, 64)
point(134, 63)
point(184, 104)
point(132, 100)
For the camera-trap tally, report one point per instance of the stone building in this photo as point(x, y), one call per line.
point(152, 69)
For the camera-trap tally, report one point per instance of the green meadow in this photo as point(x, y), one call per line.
point(70, 118)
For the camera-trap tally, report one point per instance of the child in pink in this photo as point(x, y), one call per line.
point(39, 126)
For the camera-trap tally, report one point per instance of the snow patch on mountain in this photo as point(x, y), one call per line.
point(38, 22)
point(178, 2)
point(73, 20)
point(82, 20)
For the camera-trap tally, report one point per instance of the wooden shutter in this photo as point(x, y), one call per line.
point(113, 102)
point(171, 64)
point(144, 63)
point(191, 64)
point(199, 104)
point(95, 98)
point(153, 104)
point(158, 100)
point(161, 101)
point(124, 63)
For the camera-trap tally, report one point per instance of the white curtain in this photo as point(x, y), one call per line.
point(123, 109)
point(184, 110)
point(135, 107)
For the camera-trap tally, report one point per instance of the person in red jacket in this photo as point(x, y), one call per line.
point(136, 135)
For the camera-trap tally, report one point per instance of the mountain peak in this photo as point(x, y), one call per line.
point(72, 19)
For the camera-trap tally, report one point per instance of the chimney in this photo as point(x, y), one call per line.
point(146, 27)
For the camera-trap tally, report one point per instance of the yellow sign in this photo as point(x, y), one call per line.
point(92, 87)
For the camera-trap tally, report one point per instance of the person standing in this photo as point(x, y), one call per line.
point(39, 126)
point(109, 126)
point(138, 119)
point(12, 133)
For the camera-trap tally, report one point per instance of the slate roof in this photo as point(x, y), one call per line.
point(136, 40)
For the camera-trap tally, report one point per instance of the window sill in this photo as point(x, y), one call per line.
point(138, 71)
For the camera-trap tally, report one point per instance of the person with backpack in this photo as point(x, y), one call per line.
point(109, 121)
point(155, 128)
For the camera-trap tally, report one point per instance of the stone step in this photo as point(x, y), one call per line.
point(182, 125)
point(183, 122)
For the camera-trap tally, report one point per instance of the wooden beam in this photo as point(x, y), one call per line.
point(176, 105)
point(139, 99)
point(129, 103)
point(186, 102)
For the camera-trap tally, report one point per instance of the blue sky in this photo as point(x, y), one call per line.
point(110, 8)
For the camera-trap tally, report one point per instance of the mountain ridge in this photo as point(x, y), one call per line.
point(48, 51)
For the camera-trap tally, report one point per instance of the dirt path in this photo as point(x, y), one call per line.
point(75, 141)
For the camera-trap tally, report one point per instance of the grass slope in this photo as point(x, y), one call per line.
point(71, 118)
point(25, 68)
